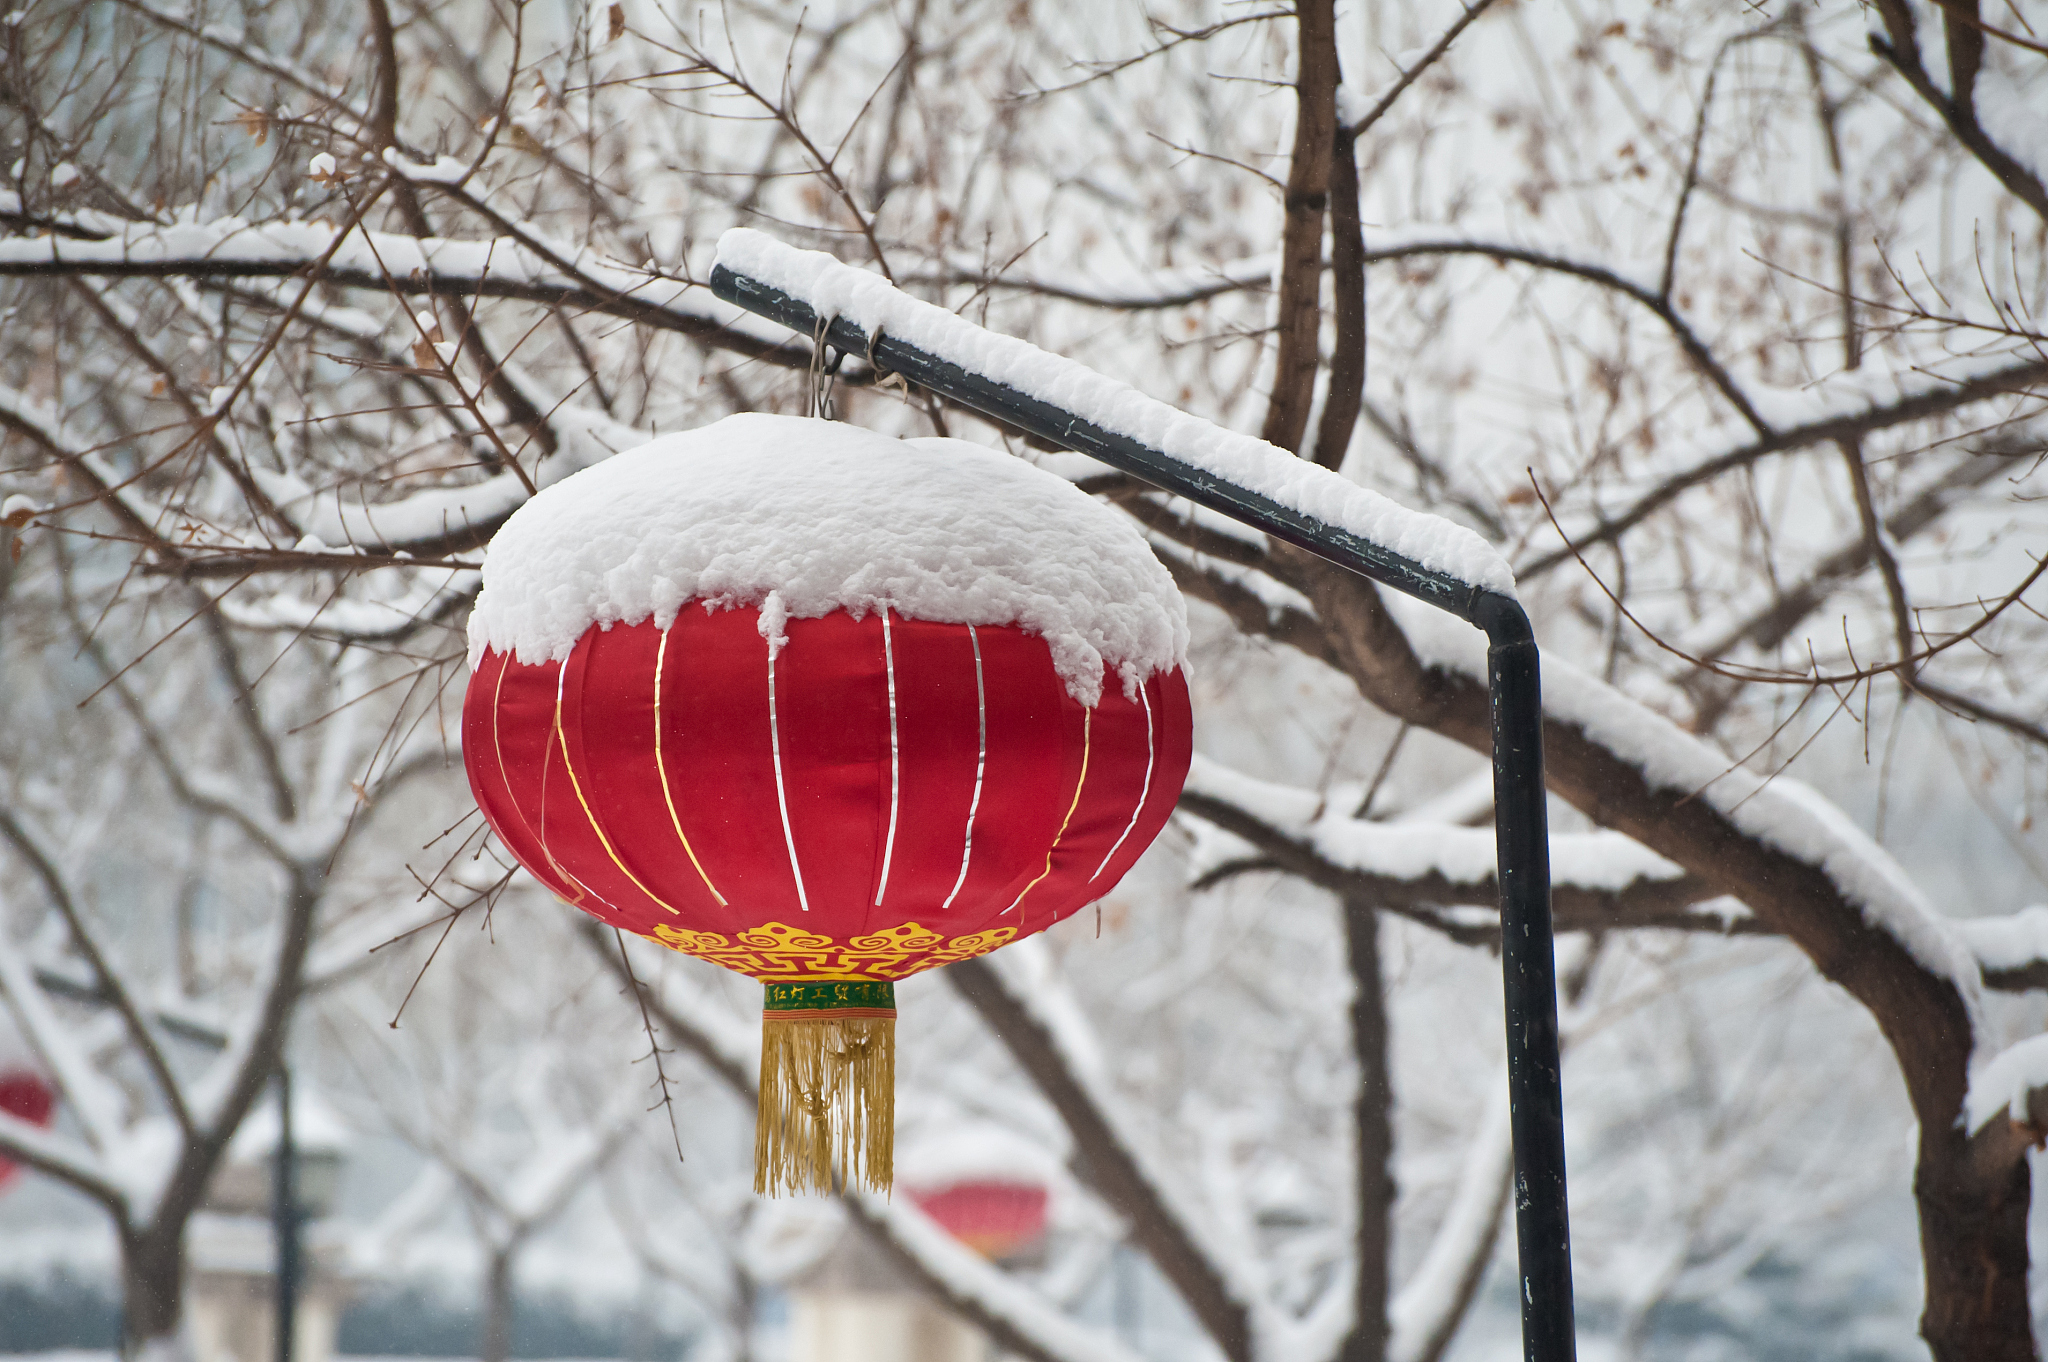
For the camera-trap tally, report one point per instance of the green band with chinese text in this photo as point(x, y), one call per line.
point(832, 995)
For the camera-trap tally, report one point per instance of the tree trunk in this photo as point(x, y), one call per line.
point(496, 1343)
point(743, 1315)
point(1973, 1238)
point(152, 1296)
point(1373, 1134)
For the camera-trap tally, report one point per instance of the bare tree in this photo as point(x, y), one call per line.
point(1724, 324)
point(160, 1030)
point(499, 1080)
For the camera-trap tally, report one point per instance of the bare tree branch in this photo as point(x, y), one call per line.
point(2020, 377)
point(140, 1033)
point(1306, 201)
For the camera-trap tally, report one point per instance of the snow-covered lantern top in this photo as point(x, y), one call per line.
point(826, 708)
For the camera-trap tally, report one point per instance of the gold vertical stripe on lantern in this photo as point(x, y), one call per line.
point(828, 1087)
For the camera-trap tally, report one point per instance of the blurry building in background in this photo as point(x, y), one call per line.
point(231, 1249)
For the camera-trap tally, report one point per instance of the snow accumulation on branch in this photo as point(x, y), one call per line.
point(968, 1279)
point(1600, 861)
point(1135, 291)
point(1854, 402)
point(524, 264)
point(342, 524)
point(1429, 1304)
point(2013, 1084)
point(1147, 289)
point(835, 290)
point(541, 1187)
point(366, 619)
point(1421, 865)
point(1776, 811)
point(1885, 389)
point(2012, 950)
point(343, 521)
point(92, 1098)
point(44, 425)
point(438, 516)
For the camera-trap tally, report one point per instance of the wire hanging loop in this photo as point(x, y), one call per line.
point(824, 372)
point(885, 377)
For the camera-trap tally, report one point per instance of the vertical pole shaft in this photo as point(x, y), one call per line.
point(1529, 980)
point(284, 1219)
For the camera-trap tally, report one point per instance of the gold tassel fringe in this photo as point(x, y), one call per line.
point(828, 1098)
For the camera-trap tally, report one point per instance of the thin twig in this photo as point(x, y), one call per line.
point(654, 1051)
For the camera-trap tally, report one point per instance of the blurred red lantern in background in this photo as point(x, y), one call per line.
point(24, 1094)
point(996, 1219)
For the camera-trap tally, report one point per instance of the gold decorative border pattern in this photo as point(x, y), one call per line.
point(777, 951)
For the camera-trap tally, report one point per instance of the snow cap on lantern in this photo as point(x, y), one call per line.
point(827, 516)
point(827, 708)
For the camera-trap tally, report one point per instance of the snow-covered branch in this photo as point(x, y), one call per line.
point(1425, 1313)
point(62, 1159)
point(2011, 950)
point(108, 976)
point(2013, 1084)
point(95, 1100)
point(1599, 880)
point(524, 267)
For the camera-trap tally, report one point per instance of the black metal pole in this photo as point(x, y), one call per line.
point(1528, 966)
point(284, 1219)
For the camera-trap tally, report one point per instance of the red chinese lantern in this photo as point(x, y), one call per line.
point(828, 709)
point(25, 1095)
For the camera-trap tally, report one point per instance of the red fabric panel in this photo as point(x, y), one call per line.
point(832, 711)
point(506, 719)
point(584, 806)
point(937, 723)
point(549, 798)
point(607, 742)
point(720, 765)
point(1033, 756)
point(1110, 801)
point(607, 777)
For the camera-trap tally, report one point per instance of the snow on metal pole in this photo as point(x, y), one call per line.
point(1296, 502)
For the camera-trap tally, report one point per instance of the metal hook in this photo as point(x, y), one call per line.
point(885, 377)
point(824, 374)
